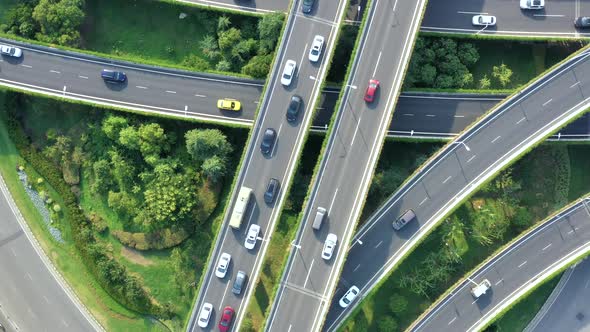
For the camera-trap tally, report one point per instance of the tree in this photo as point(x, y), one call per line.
point(387, 324)
point(129, 138)
point(112, 126)
point(444, 82)
point(502, 74)
point(102, 177)
point(153, 140)
point(522, 218)
point(269, 30)
point(196, 62)
point(489, 224)
point(228, 38)
point(204, 144)
point(468, 54)
point(485, 82)
point(214, 168)
point(223, 65)
point(428, 74)
point(59, 21)
point(223, 23)
point(209, 47)
point(258, 66)
point(453, 237)
point(244, 49)
point(122, 170)
point(398, 304)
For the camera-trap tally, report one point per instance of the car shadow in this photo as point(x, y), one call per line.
point(116, 86)
point(12, 60)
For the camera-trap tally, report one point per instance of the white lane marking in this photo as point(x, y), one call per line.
point(272, 152)
point(424, 200)
point(54, 71)
point(459, 116)
point(46, 299)
point(308, 272)
point(355, 131)
point(376, 65)
point(547, 15)
point(495, 139)
point(447, 179)
point(27, 66)
point(521, 120)
point(64, 322)
point(570, 232)
point(394, 5)
point(430, 115)
point(170, 91)
point(498, 282)
point(249, 221)
point(224, 292)
point(452, 320)
point(141, 87)
point(84, 77)
point(203, 96)
point(547, 246)
point(301, 61)
point(573, 85)
point(29, 276)
point(547, 102)
point(474, 301)
point(408, 114)
point(378, 244)
point(586, 286)
point(13, 252)
point(289, 330)
point(522, 264)
point(470, 159)
point(356, 268)
point(472, 13)
point(333, 199)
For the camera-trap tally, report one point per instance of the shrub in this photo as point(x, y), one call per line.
point(502, 73)
point(398, 304)
point(387, 324)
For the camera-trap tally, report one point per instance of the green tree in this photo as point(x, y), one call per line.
point(244, 49)
point(204, 144)
point(112, 126)
point(522, 219)
point(19, 20)
point(60, 151)
point(398, 304)
point(453, 237)
point(153, 140)
point(129, 138)
point(485, 82)
point(196, 62)
point(229, 38)
point(102, 177)
point(59, 21)
point(269, 30)
point(444, 82)
point(502, 73)
point(223, 23)
point(223, 65)
point(209, 47)
point(428, 74)
point(258, 66)
point(122, 170)
point(468, 54)
point(214, 168)
point(387, 324)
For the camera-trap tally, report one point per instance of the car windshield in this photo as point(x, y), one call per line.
point(315, 51)
point(287, 75)
point(586, 20)
point(224, 323)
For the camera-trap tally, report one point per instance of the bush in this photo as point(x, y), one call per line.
point(162, 239)
point(387, 324)
point(258, 66)
point(398, 304)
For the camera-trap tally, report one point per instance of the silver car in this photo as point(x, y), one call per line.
point(483, 20)
point(252, 236)
point(288, 72)
point(316, 48)
point(205, 314)
point(223, 265)
point(349, 296)
point(329, 245)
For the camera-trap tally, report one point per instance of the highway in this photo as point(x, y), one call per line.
point(517, 124)
point(347, 166)
point(512, 272)
point(31, 298)
point(257, 169)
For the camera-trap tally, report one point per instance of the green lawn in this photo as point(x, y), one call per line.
point(580, 177)
point(5, 5)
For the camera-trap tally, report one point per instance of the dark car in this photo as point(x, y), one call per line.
point(239, 283)
point(293, 109)
point(112, 76)
point(226, 318)
point(307, 6)
point(582, 22)
point(271, 190)
point(268, 141)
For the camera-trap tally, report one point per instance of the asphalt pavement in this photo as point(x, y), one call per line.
point(517, 124)
point(31, 299)
point(257, 169)
point(347, 166)
point(515, 270)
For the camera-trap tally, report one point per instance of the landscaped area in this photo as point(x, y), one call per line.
point(152, 194)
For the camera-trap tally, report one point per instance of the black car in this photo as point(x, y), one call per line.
point(239, 283)
point(293, 109)
point(271, 190)
point(582, 22)
point(112, 76)
point(307, 6)
point(268, 141)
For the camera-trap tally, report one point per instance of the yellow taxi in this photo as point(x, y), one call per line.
point(229, 104)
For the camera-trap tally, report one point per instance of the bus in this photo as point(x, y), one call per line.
point(240, 207)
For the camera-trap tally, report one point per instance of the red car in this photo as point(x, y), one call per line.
point(226, 318)
point(371, 89)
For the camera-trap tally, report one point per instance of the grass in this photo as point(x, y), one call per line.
point(579, 155)
point(519, 316)
point(5, 5)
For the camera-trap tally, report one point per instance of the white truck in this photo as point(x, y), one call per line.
point(240, 207)
point(481, 289)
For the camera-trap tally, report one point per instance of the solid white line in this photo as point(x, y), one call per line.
point(54, 71)
point(202, 96)
point(290, 326)
point(308, 272)
point(504, 32)
point(333, 199)
point(495, 139)
point(27, 66)
point(544, 15)
point(548, 101)
point(249, 221)
point(140, 87)
point(377, 64)
point(448, 98)
point(547, 246)
point(169, 91)
point(84, 77)
point(424, 200)
point(378, 244)
point(470, 159)
point(472, 13)
point(521, 264)
point(452, 320)
point(300, 64)
point(447, 179)
point(224, 292)
point(498, 282)
point(355, 131)
point(573, 85)
point(521, 120)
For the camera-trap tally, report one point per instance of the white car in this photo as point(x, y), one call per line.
point(11, 51)
point(481, 289)
point(349, 296)
point(329, 245)
point(484, 20)
point(288, 72)
point(532, 4)
point(222, 265)
point(205, 314)
point(316, 48)
point(252, 236)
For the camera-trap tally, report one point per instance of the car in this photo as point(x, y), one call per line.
point(252, 236)
point(349, 296)
point(532, 4)
point(113, 76)
point(205, 314)
point(229, 104)
point(239, 283)
point(268, 141)
point(481, 288)
point(307, 6)
point(582, 22)
point(288, 72)
point(371, 90)
point(293, 109)
point(404, 219)
point(271, 190)
point(223, 265)
point(14, 52)
point(316, 48)
point(226, 318)
point(329, 245)
point(484, 20)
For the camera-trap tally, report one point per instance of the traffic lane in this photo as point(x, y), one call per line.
point(29, 294)
point(263, 6)
point(513, 270)
point(556, 18)
point(298, 320)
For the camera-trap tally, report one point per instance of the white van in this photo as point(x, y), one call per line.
point(240, 207)
point(481, 289)
point(319, 218)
